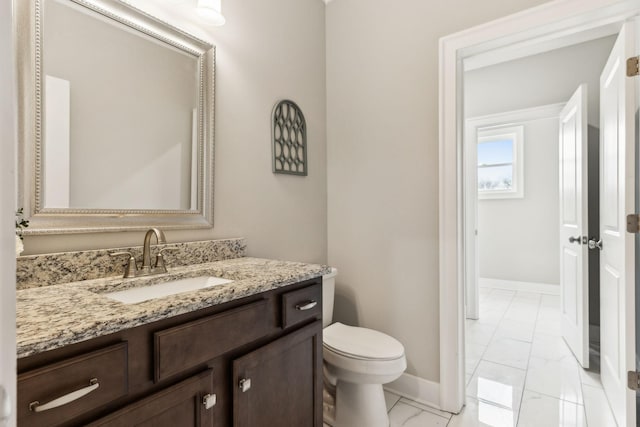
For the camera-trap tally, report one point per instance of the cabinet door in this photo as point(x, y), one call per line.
point(280, 384)
point(178, 405)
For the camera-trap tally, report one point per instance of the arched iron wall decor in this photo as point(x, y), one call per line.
point(289, 135)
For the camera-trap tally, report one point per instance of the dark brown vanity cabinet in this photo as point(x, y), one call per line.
point(275, 385)
point(183, 404)
point(253, 362)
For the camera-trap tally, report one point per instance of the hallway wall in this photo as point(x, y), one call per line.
point(518, 238)
point(542, 79)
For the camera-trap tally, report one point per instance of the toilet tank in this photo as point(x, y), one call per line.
point(328, 293)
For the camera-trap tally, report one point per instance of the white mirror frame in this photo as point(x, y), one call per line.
point(29, 16)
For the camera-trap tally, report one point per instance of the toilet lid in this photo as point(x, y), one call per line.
point(361, 343)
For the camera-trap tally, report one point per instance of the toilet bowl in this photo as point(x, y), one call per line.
point(357, 362)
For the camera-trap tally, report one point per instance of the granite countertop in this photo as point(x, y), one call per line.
point(50, 317)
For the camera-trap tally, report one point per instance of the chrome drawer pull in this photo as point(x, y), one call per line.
point(67, 398)
point(307, 306)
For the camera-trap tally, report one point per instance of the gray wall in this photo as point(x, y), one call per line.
point(382, 132)
point(545, 78)
point(518, 238)
point(266, 51)
point(542, 79)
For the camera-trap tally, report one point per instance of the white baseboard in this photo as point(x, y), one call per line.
point(417, 389)
point(514, 285)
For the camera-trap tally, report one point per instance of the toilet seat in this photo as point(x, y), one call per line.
point(361, 343)
point(358, 351)
point(349, 366)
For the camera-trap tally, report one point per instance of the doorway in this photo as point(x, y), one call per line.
point(546, 23)
point(514, 341)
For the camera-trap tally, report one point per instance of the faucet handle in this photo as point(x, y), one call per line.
point(169, 249)
point(131, 268)
point(160, 265)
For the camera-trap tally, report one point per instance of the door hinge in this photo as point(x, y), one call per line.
point(633, 66)
point(633, 223)
point(633, 380)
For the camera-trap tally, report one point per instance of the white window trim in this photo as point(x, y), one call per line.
point(515, 133)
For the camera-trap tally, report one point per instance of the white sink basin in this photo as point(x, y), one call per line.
point(145, 293)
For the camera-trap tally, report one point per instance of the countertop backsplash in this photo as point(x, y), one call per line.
point(52, 269)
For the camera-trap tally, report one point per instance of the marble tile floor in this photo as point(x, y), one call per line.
point(520, 373)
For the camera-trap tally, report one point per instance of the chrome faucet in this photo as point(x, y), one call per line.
point(132, 270)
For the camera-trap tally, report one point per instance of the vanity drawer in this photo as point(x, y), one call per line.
point(56, 393)
point(191, 344)
point(181, 404)
point(301, 305)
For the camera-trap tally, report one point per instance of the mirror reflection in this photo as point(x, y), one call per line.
point(120, 115)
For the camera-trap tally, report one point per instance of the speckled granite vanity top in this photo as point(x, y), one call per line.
point(50, 317)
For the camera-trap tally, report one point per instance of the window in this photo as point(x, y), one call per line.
point(500, 166)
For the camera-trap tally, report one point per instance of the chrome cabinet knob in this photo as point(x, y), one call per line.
point(209, 400)
point(245, 384)
point(577, 240)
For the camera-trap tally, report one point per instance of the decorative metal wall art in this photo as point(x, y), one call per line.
point(289, 134)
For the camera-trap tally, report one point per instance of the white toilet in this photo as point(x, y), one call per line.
point(357, 362)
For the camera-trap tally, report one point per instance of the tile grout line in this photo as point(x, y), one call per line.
point(497, 326)
point(408, 402)
point(510, 302)
point(394, 404)
point(503, 365)
point(432, 411)
point(550, 396)
point(495, 331)
point(584, 401)
point(492, 336)
point(526, 373)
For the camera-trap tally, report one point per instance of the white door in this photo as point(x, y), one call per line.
point(617, 191)
point(637, 192)
point(574, 266)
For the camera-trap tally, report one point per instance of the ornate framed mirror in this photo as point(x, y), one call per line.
point(116, 119)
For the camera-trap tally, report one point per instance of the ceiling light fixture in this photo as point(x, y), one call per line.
point(211, 11)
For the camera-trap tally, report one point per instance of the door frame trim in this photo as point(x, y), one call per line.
point(8, 134)
point(555, 19)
